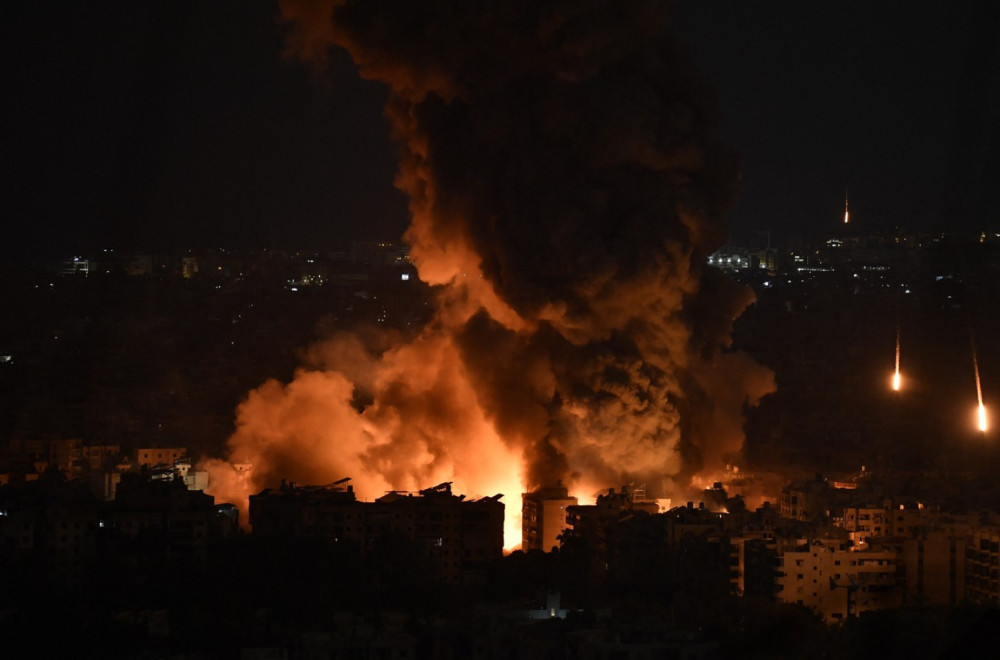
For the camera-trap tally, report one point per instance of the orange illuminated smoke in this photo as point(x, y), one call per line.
point(896, 379)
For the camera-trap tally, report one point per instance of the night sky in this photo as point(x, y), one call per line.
point(166, 125)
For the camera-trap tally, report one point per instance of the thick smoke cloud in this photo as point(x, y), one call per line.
point(566, 186)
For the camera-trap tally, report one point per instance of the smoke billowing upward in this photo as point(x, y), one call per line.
point(566, 186)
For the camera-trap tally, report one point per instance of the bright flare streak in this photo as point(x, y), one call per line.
point(981, 412)
point(846, 216)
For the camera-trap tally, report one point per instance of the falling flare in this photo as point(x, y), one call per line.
point(847, 214)
point(896, 380)
point(981, 422)
point(981, 412)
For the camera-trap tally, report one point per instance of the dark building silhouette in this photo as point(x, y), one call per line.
point(458, 537)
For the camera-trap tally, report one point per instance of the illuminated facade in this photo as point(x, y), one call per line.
point(159, 456)
point(837, 583)
point(544, 517)
point(864, 522)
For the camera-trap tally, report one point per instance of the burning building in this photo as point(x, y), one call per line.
point(566, 187)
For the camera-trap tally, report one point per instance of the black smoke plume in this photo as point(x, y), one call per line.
point(566, 186)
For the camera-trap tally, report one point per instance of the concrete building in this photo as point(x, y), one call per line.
point(96, 457)
point(806, 500)
point(836, 582)
point(983, 564)
point(48, 529)
point(543, 517)
point(596, 524)
point(457, 536)
point(164, 518)
point(592, 520)
point(931, 566)
point(751, 567)
point(153, 456)
point(866, 521)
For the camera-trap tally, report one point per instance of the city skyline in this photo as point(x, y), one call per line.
point(707, 286)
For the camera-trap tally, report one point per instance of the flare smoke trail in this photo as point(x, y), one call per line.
point(566, 186)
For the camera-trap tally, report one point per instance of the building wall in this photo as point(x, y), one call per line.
point(864, 522)
point(150, 456)
point(554, 521)
point(95, 455)
point(983, 564)
point(751, 570)
point(935, 568)
point(822, 577)
point(544, 517)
